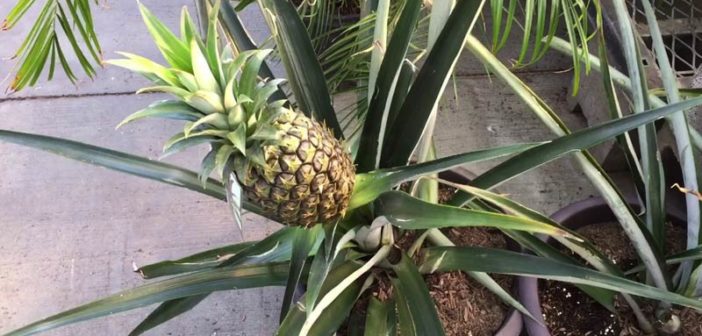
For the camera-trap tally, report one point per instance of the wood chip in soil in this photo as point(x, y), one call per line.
point(465, 306)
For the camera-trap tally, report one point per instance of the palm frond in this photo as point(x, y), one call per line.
point(70, 20)
point(539, 22)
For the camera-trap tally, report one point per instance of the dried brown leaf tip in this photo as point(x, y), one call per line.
point(687, 191)
point(5, 25)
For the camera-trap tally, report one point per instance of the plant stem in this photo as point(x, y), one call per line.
point(438, 238)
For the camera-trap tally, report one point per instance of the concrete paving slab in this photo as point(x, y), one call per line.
point(71, 231)
point(488, 114)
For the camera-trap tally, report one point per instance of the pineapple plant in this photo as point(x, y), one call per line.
point(290, 165)
point(269, 154)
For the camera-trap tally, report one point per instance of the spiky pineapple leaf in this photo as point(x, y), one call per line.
point(409, 213)
point(188, 28)
point(304, 242)
point(234, 192)
point(238, 138)
point(380, 318)
point(174, 50)
point(375, 124)
point(417, 312)
point(332, 317)
point(122, 162)
point(181, 142)
point(236, 33)
point(249, 74)
point(252, 276)
point(217, 120)
point(428, 88)
point(370, 185)
point(166, 311)
point(207, 166)
point(176, 91)
point(302, 67)
point(204, 76)
point(151, 70)
point(579, 140)
point(441, 259)
point(167, 109)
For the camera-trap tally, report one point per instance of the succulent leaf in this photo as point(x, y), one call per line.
point(146, 67)
point(175, 51)
point(205, 101)
point(201, 70)
point(168, 109)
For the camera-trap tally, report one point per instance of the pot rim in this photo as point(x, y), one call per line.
point(590, 211)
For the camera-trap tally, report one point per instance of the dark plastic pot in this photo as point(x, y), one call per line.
point(513, 324)
point(574, 216)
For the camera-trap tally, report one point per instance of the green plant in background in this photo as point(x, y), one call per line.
point(218, 91)
point(341, 59)
point(646, 166)
point(42, 45)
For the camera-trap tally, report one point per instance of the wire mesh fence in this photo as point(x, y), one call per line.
point(680, 22)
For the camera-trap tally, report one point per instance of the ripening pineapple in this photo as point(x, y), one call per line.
point(290, 165)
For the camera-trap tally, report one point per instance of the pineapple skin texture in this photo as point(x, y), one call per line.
point(308, 177)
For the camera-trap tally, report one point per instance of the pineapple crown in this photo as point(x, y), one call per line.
point(219, 95)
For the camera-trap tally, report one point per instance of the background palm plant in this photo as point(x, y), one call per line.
point(343, 58)
point(339, 268)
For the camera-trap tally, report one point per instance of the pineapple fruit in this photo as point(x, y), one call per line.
point(288, 164)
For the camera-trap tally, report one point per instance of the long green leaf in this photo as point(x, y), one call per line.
point(409, 213)
point(195, 262)
point(174, 288)
point(168, 109)
point(331, 317)
point(580, 140)
point(167, 311)
point(427, 89)
point(373, 132)
point(648, 143)
point(380, 318)
point(687, 255)
point(506, 262)
point(589, 166)
point(679, 124)
point(304, 72)
point(404, 82)
point(274, 248)
point(303, 242)
point(16, 13)
point(119, 161)
point(370, 185)
point(380, 39)
point(334, 294)
point(323, 262)
point(616, 112)
point(236, 32)
point(413, 297)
